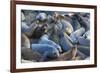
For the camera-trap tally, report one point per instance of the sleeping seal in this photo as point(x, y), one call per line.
point(47, 51)
point(28, 54)
point(25, 42)
point(65, 42)
point(84, 41)
point(76, 34)
point(84, 22)
point(45, 40)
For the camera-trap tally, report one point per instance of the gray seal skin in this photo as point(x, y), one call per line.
point(45, 40)
point(24, 27)
point(66, 26)
point(30, 16)
point(87, 35)
point(74, 35)
point(65, 43)
point(75, 23)
point(81, 55)
point(84, 49)
point(28, 30)
point(41, 16)
point(46, 50)
point(84, 22)
point(84, 41)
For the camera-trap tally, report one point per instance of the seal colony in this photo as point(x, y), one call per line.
point(54, 36)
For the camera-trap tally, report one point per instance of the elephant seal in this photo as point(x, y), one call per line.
point(87, 35)
point(84, 22)
point(25, 42)
point(28, 54)
point(65, 43)
point(41, 16)
point(83, 41)
point(45, 40)
point(75, 23)
point(39, 31)
point(84, 49)
point(47, 51)
point(74, 35)
point(64, 25)
point(24, 27)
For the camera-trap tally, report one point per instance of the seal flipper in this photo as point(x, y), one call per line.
point(44, 57)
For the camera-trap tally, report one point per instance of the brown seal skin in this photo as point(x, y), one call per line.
point(28, 54)
point(73, 54)
point(69, 55)
point(25, 42)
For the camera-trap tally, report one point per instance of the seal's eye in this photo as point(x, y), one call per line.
point(55, 55)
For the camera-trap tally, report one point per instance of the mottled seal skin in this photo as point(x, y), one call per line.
point(65, 42)
point(74, 35)
point(45, 40)
point(46, 50)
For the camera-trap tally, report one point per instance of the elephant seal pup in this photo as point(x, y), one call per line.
point(47, 51)
point(65, 43)
point(45, 40)
point(74, 35)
